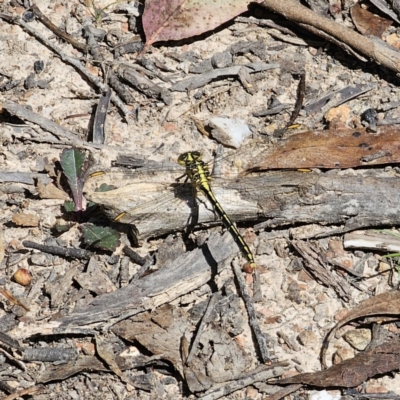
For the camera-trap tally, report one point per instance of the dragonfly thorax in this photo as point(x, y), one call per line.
point(196, 169)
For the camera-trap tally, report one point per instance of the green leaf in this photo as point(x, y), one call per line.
point(104, 187)
point(75, 166)
point(69, 206)
point(61, 228)
point(102, 237)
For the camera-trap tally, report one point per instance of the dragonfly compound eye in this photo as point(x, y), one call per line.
point(182, 158)
point(196, 155)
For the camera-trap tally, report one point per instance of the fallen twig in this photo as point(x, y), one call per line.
point(76, 63)
point(372, 47)
point(55, 29)
point(64, 135)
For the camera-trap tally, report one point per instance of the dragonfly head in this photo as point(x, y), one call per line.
point(189, 157)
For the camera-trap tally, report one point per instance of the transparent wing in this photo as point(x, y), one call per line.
point(161, 205)
point(154, 208)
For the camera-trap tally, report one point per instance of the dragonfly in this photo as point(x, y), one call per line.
point(198, 172)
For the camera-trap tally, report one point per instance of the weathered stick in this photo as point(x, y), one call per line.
point(372, 47)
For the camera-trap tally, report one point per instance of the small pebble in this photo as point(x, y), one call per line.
point(229, 131)
point(358, 338)
point(342, 354)
point(308, 339)
point(324, 395)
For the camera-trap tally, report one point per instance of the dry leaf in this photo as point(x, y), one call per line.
point(331, 148)
point(7, 294)
point(387, 304)
point(179, 19)
point(355, 371)
point(50, 191)
point(106, 353)
point(367, 22)
point(25, 220)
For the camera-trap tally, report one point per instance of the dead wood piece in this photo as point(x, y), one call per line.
point(267, 22)
point(8, 322)
point(316, 266)
point(185, 274)
point(203, 79)
point(349, 270)
point(57, 289)
point(119, 88)
point(256, 47)
point(9, 342)
point(282, 198)
point(50, 354)
point(201, 67)
point(94, 279)
point(301, 91)
point(143, 270)
point(60, 372)
point(27, 178)
point(64, 135)
point(261, 374)
point(90, 33)
point(247, 80)
point(382, 241)
point(149, 68)
point(132, 46)
point(5, 387)
point(124, 271)
point(288, 39)
point(59, 251)
point(205, 320)
point(219, 359)
point(335, 41)
point(63, 35)
point(10, 84)
point(135, 257)
point(159, 332)
point(253, 322)
point(92, 363)
point(280, 394)
point(31, 390)
point(105, 351)
point(289, 341)
point(196, 380)
point(144, 84)
point(31, 83)
point(371, 47)
point(99, 133)
point(272, 110)
point(335, 98)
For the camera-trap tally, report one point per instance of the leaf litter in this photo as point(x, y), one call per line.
point(380, 357)
point(276, 277)
point(179, 19)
